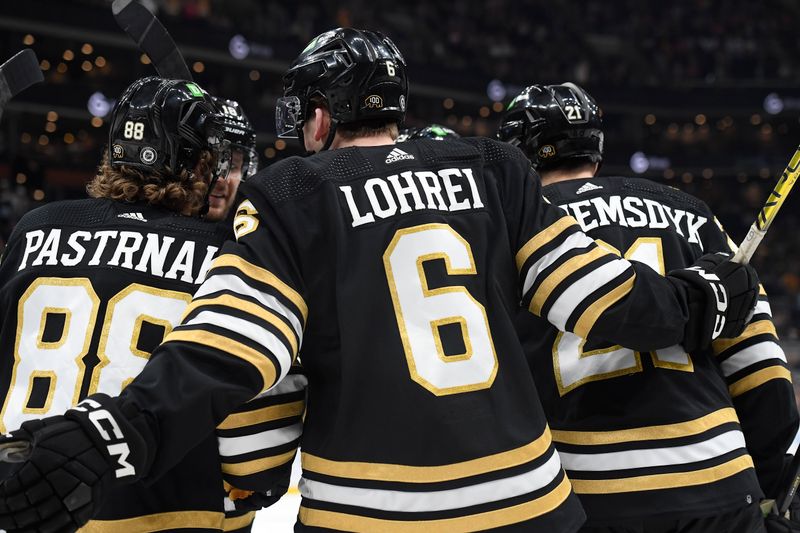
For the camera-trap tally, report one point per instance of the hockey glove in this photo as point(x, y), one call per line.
point(74, 460)
point(780, 524)
point(721, 296)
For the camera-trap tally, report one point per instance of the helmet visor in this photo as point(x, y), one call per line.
point(288, 117)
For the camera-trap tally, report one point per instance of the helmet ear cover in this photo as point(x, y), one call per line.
point(553, 125)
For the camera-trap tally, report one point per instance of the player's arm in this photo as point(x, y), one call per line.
point(760, 383)
point(259, 440)
point(579, 287)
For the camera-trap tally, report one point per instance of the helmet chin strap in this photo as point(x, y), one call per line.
point(331, 135)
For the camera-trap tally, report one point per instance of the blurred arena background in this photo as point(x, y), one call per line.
point(703, 95)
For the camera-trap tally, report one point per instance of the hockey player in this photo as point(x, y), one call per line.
point(399, 269)
point(244, 158)
point(90, 287)
point(650, 440)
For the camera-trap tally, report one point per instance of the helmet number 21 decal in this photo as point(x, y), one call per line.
point(573, 112)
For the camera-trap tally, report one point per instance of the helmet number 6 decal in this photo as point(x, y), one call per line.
point(133, 130)
point(390, 68)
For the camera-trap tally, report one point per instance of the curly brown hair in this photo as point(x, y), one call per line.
point(183, 193)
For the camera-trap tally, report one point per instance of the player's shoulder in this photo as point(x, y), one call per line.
point(665, 194)
point(87, 212)
point(494, 151)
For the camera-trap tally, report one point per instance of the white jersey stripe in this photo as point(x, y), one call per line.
point(675, 455)
point(573, 295)
point(441, 500)
point(221, 282)
point(264, 338)
point(230, 446)
point(762, 306)
point(576, 240)
point(751, 355)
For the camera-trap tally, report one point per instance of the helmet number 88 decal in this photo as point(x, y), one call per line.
point(573, 366)
point(133, 130)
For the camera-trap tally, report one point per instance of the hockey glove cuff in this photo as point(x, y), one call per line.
point(75, 459)
point(721, 297)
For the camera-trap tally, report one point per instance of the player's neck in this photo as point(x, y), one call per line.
point(557, 175)
point(373, 140)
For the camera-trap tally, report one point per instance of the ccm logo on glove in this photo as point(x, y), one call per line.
point(99, 418)
point(720, 294)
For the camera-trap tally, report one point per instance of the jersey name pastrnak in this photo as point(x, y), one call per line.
point(449, 189)
point(635, 212)
point(152, 253)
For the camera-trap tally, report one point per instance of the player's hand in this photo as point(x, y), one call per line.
point(248, 500)
point(75, 459)
point(780, 524)
point(721, 295)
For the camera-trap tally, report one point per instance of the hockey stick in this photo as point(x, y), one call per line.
point(792, 481)
point(17, 74)
point(768, 212)
point(152, 38)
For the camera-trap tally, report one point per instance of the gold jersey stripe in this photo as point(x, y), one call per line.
point(758, 378)
point(664, 431)
point(265, 414)
point(543, 237)
point(220, 343)
point(587, 320)
point(663, 481)
point(761, 290)
point(248, 307)
point(569, 266)
point(476, 522)
point(257, 465)
point(264, 276)
point(157, 522)
point(238, 522)
point(754, 328)
point(429, 474)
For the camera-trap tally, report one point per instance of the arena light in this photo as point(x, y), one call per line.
point(238, 47)
point(98, 105)
point(496, 91)
point(773, 104)
point(641, 162)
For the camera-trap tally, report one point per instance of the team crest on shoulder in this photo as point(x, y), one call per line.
point(246, 220)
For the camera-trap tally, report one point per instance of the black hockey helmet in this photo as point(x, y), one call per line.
point(554, 123)
point(162, 125)
point(434, 131)
point(239, 132)
point(360, 74)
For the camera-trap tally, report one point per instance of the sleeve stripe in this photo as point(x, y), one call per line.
point(218, 343)
point(762, 306)
point(587, 320)
point(264, 276)
point(576, 293)
point(249, 307)
point(542, 238)
point(759, 378)
point(257, 465)
point(573, 242)
point(763, 351)
point(228, 282)
point(265, 414)
point(267, 340)
point(752, 329)
point(569, 266)
point(254, 442)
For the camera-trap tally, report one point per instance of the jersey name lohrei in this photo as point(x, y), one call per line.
point(449, 189)
point(144, 252)
point(635, 212)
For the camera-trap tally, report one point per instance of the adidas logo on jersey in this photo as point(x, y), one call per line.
point(586, 187)
point(397, 155)
point(133, 216)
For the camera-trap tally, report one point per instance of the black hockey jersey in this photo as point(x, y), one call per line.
point(643, 434)
point(399, 270)
point(88, 289)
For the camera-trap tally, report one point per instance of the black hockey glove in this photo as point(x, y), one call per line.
point(248, 500)
point(789, 523)
point(74, 460)
point(721, 295)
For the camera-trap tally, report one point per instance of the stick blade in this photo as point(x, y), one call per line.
point(152, 38)
point(19, 73)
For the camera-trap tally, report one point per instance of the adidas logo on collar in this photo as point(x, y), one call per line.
point(397, 155)
point(133, 216)
point(586, 187)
